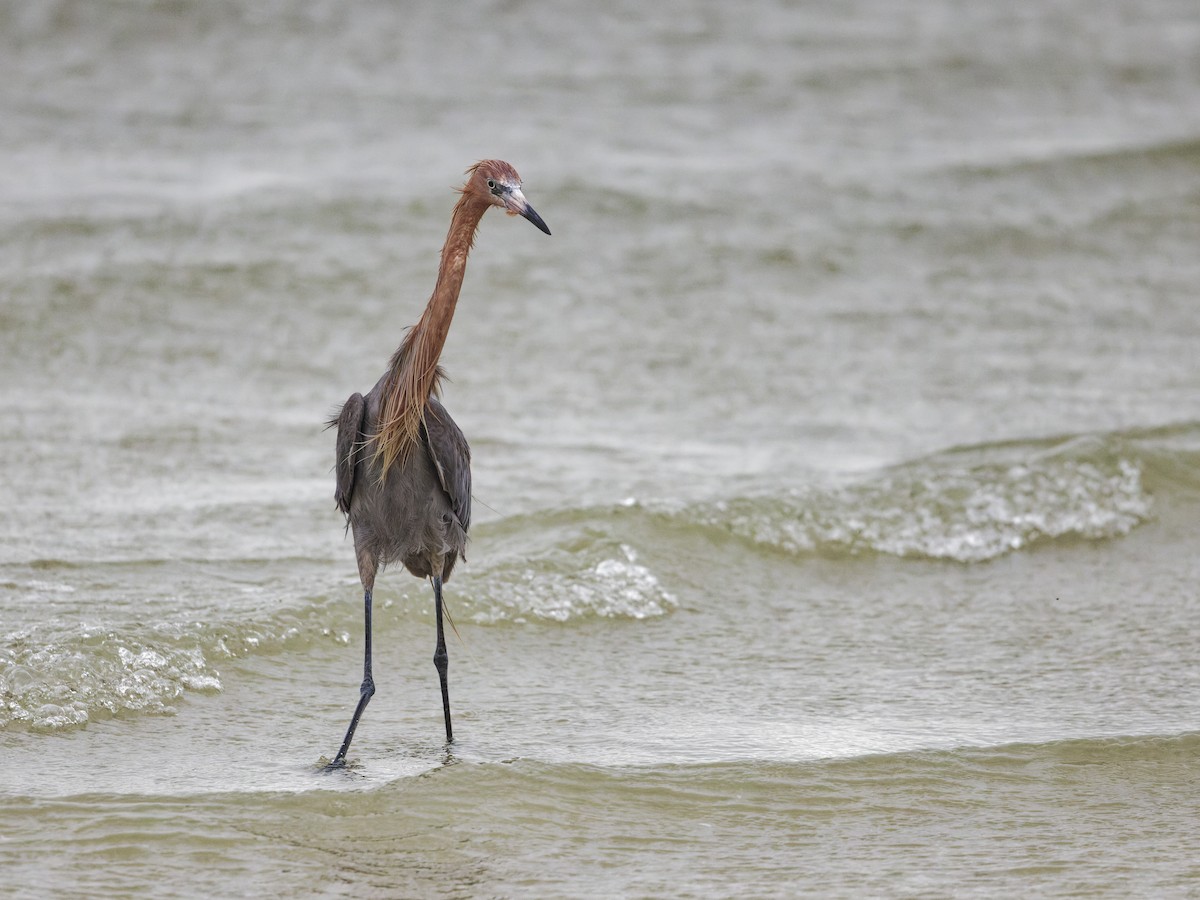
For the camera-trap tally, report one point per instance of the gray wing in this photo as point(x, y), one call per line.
point(350, 441)
point(451, 458)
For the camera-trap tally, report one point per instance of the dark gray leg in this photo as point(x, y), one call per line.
point(368, 685)
point(440, 659)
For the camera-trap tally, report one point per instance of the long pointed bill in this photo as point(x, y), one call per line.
point(517, 205)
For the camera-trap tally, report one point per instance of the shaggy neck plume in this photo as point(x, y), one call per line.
point(413, 373)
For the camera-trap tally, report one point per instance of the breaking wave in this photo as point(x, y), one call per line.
point(973, 504)
point(562, 586)
point(967, 514)
point(55, 676)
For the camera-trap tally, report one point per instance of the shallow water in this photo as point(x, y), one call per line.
point(837, 460)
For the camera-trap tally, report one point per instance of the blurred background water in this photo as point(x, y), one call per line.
point(837, 460)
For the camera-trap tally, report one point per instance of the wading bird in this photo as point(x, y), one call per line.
point(403, 466)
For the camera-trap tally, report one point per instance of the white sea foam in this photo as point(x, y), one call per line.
point(943, 510)
point(572, 586)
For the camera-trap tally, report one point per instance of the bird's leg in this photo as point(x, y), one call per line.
point(440, 659)
point(368, 684)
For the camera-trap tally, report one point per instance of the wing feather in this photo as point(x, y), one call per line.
point(350, 442)
point(451, 457)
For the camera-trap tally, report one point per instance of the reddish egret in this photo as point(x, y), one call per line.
point(403, 465)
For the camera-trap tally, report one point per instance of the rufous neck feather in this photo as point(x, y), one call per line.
point(413, 374)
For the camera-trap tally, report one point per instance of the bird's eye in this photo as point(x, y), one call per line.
point(491, 184)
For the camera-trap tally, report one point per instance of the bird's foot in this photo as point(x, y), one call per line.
point(339, 764)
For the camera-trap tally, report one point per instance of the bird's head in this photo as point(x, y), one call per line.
point(498, 184)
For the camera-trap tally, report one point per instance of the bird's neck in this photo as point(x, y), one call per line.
point(434, 324)
point(413, 374)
